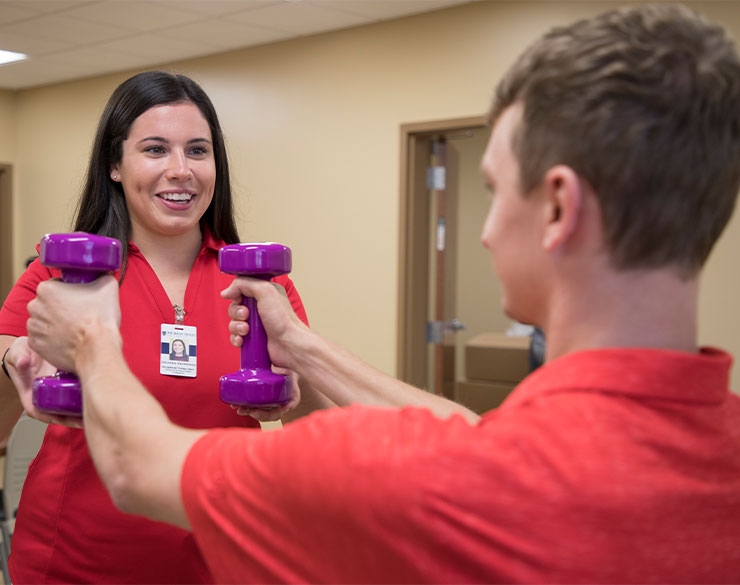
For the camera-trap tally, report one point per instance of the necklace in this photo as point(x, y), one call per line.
point(179, 314)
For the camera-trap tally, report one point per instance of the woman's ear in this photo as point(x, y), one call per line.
point(564, 198)
point(114, 174)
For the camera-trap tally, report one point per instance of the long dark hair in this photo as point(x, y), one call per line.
point(102, 206)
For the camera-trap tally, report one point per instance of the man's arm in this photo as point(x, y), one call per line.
point(137, 451)
point(330, 369)
point(311, 401)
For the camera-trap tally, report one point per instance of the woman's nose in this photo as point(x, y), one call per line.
point(178, 167)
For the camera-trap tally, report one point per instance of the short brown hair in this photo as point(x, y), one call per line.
point(644, 104)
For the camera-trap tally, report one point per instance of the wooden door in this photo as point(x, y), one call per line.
point(426, 339)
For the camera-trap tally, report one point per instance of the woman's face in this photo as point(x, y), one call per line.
point(178, 347)
point(167, 170)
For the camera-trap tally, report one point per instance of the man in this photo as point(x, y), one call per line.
point(614, 166)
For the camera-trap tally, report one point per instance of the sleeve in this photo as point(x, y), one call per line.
point(293, 296)
point(13, 315)
point(316, 502)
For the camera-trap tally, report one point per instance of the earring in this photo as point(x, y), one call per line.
point(114, 177)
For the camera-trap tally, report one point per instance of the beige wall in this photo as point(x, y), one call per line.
point(8, 216)
point(312, 126)
point(7, 126)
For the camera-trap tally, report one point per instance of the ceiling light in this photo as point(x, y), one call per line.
point(10, 56)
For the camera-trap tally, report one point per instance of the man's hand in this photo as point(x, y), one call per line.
point(66, 318)
point(24, 366)
point(282, 325)
point(279, 320)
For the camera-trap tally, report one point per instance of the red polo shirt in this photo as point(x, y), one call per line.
point(608, 466)
point(67, 529)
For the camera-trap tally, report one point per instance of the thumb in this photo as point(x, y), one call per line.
point(244, 286)
point(26, 367)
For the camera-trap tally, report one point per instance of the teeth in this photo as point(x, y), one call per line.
point(176, 196)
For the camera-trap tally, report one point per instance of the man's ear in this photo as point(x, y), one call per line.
point(564, 198)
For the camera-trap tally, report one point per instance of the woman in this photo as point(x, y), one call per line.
point(178, 351)
point(158, 179)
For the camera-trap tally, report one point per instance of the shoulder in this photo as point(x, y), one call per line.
point(25, 287)
point(13, 315)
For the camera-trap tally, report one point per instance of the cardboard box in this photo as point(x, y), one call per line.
point(481, 397)
point(497, 357)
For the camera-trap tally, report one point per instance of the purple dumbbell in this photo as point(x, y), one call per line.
point(82, 258)
point(255, 384)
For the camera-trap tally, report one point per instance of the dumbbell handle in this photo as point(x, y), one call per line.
point(254, 354)
point(73, 276)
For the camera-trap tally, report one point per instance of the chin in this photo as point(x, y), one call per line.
point(517, 314)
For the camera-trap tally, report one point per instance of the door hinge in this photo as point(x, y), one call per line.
point(436, 178)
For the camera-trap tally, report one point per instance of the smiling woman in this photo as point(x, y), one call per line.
point(158, 178)
point(168, 173)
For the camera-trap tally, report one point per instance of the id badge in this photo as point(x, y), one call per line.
point(178, 354)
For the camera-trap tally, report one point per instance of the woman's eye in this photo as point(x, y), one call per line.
point(155, 149)
point(199, 150)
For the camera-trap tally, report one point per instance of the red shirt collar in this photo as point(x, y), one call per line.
point(701, 377)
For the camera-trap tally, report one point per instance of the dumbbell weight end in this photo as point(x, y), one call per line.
point(58, 394)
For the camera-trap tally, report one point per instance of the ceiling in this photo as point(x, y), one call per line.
point(72, 39)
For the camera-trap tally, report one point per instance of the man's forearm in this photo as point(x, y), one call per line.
point(137, 450)
point(331, 370)
point(346, 379)
point(311, 401)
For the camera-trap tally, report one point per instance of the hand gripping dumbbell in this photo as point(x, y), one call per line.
point(255, 385)
point(82, 258)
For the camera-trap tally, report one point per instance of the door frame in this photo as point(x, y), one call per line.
point(413, 238)
point(6, 230)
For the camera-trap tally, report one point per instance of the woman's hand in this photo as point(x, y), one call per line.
point(276, 413)
point(24, 366)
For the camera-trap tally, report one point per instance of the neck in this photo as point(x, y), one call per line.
point(646, 308)
point(177, 252)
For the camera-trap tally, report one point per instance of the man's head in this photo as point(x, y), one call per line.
point(644, 105)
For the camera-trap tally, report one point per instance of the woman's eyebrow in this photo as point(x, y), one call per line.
point(161, 139)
